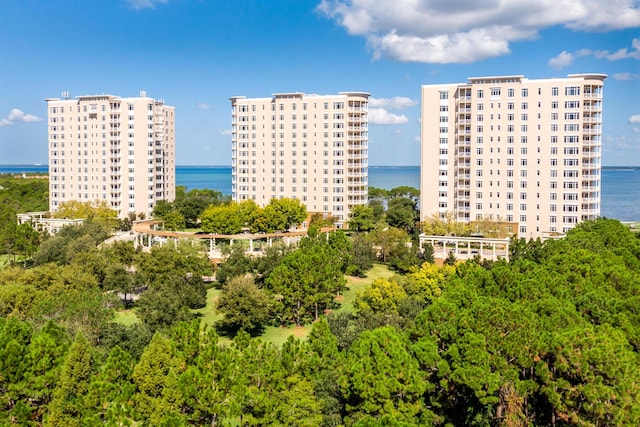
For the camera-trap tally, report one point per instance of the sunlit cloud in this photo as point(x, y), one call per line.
point(145, 4)
point(564, 59)
point(623, 53)
point(225, 132)
point(462, 31)
point(17, 115)
point(626, 76)
point(634, 119)
point(380, 116)
point(203, 106)
point(395, 103)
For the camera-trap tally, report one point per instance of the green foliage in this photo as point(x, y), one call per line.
point(228, 219)
point(237, 263)
point(284, 213)
point(382, 296)
point(548, 339)
point(382, 378)
point(362, 218)
point(16, 239)
point(193, 203)
point(174, 221)
point(278, 215)
point(395, 247)
point(402, 212)
point(362, 255)
point(69, 406)
point(245, 307)
point(447, 226)
point(306, 281)
point(24, 195)
point(97, 211)
point(150, 375)
point(71, 241)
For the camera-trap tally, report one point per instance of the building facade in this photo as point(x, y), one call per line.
point(515, 150)
point(104, 147)
point(313, 148)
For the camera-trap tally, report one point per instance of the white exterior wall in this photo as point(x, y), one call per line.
point(513, 149)
point(120, 150)
point(308, 147)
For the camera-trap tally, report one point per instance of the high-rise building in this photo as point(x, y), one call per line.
point(113, 149)
point(309, 147)
point(515, 150)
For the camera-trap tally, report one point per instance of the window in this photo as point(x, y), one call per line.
point(525, 92)
point(480, 94)
point(444, 94)
point(572, 90)
point(511, 93)
point(495, 91)
point(554, 91)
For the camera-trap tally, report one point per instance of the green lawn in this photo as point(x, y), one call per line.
point(358, 284)
point(126, 317)
point(277, 335)
point(5, 259)
point(208, 312)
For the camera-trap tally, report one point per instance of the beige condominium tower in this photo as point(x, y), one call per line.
point(113, 149)
point(310, 147)
point(512, 149)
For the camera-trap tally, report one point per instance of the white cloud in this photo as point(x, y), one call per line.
point(225, 132)
point(145, 4)
point(626, 76)
point(634, 119)
point(380, 116)
point(564, 59)
point(463, 31)
point(395, 103)
point(203, 106)
point(16, 115)
point(625, 53)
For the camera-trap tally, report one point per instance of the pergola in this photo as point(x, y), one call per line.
point(467, 247)
point(146, 231)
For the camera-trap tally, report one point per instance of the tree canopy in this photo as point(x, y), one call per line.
point(550, 338)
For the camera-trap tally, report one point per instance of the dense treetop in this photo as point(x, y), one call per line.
point(548, 339)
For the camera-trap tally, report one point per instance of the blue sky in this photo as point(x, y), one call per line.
point(195, 54)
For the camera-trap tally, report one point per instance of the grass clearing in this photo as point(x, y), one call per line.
point(276, 335)
point(5, 259)
point(358, 284)
point(209, 314)
point(126, 317)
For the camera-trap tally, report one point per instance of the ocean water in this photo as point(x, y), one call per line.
point(620, 186)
